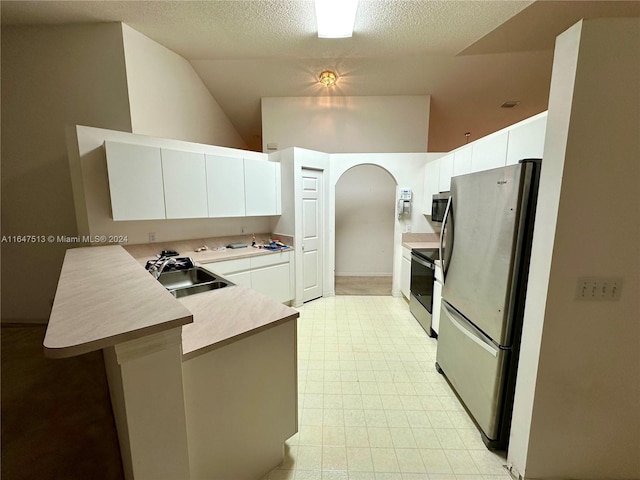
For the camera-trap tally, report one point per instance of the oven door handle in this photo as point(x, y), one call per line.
point(415, 258)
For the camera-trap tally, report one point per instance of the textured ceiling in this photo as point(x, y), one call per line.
point(470, 56)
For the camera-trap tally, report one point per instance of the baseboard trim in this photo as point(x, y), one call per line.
point(22, 322)
point(342, 274)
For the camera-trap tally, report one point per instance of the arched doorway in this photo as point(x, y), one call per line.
point(364, 228)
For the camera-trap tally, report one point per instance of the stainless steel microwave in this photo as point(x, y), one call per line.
point(439, 206)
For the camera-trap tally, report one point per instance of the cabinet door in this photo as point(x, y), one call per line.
point(240, 278)
point(527, 140)
point(260, 187)
point(273, 281)
point(228, 267)
point(225, 186)
point(489, 152)
point(135, 181)
point(405, 277)
point(446, 171)
point(185, 185)
point(431, 184)
point(462, 160)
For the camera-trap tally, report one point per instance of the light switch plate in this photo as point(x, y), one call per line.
point(598, 288)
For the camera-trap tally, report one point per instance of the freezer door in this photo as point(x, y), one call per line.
point(475, 367)
point(484, 213)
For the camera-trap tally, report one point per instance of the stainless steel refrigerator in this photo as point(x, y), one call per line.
point(485, 250)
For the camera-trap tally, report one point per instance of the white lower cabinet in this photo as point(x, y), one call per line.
point(240, 278)
point(269, 274)
point(405, 272)
point(272, 281)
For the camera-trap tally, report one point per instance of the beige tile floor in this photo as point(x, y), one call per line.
point(372, 406)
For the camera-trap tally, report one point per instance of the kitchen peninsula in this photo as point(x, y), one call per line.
point(201, 387)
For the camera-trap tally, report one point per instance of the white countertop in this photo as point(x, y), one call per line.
point(228, 314)
point(412, 245)
point(106, 297)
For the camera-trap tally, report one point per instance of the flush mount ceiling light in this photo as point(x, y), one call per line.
point(328, 78)
point(335, 18)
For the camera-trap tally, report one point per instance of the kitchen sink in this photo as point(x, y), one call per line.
point(182, 283)
point(203, 287)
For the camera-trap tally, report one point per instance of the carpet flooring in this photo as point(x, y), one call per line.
point(56, 414)
point(363, 285)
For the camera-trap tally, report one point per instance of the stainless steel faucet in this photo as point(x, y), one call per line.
point(156, 270)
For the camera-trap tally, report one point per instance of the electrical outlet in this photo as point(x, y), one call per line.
point(598, 288)
point(407, 228)
point(152, 237)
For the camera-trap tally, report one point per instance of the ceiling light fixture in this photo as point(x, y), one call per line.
point(335, 18)
point(328, 78)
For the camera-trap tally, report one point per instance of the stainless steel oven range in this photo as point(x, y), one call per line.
point(422, 278)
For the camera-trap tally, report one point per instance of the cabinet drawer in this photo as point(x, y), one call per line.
point(270, 259)
point(240, 278)
point(406, 253)
point(229, 266)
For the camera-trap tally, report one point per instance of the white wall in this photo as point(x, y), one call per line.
point(342, 124)
point(576, 411)
point(52, 76)
point(167, 97)
point(285, 223)
point(408, 171)
point(94, 199)
point(365, 209)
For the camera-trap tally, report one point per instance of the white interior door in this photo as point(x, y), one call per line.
point(312, 234)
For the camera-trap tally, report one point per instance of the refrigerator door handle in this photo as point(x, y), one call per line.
point(448, 214)
point(470, 333)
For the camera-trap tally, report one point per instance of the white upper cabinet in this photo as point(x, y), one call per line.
point(489, 152)
point(527, 139)
point(446, 171)
point(225, 185)
point(431, 184)
point(505, 147)
point(260, 187)
point(135, 181)
point(149, 183)
point(185, 184)
point(462, 160)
